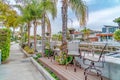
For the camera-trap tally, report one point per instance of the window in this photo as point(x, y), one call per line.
point(103, 30)
point(111, 30)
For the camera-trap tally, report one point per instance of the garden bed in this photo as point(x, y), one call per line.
point(41, 68)
point(47, 73)
point(26, 54)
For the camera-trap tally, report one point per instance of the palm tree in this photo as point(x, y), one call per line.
point(25, 17)
point(47, 6)
point(35, 12)
point(80, 9)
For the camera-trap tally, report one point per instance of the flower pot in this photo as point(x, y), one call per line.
point(71, 31)
point(47, 34)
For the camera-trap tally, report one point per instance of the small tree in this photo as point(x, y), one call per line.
point(86, 32)
point(117, 35)
point(117, 20)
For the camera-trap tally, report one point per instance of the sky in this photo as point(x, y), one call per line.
point(100, 13)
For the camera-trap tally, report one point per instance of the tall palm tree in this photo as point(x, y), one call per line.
point(47, 6)
point(80, 9)
point(25, 17)
point(34, 10)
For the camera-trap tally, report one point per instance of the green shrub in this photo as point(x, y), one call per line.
point(63, 59)
point(5, 37)
point(29, 50)
point(48, 51)
point(117, 35)
point(38, 55)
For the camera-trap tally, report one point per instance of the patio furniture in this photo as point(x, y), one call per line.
point(52, 46)
point(55, 50)
point(93, 59)
point(73, 50)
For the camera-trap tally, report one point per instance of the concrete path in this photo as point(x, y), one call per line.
point(19, 67)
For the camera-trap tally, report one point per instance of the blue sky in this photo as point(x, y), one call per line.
point(101, 12)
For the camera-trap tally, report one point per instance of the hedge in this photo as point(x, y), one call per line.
point(5, 35)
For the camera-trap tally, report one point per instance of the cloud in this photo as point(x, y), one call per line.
point(98, 19)
point(103, 17)
point(90, 1)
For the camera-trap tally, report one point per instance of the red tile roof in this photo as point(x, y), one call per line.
point(105, 34)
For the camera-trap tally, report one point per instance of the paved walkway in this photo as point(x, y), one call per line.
point(19, 67)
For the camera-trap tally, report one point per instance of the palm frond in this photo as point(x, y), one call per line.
point(80, 9)
point(49, 7)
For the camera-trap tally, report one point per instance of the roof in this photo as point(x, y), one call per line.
point(105, 34)
point(110, 26)
point(76, 32)
point(91, 31)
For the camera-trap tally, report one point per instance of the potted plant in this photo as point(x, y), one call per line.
point(48, 51)
point(63, 59)
point(71, 30)
point(47, 33)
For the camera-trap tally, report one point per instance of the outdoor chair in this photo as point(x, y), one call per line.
point(73, 50)
point(52, 46)
point(54, 49)
point(94, 59)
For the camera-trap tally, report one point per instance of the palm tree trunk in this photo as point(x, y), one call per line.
point(29, 34)
point(21, 30)
point(43, 34)
point(14, 33)
point(35, 28)
point(64, 21)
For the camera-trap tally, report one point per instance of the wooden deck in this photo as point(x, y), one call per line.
point(66, 74)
